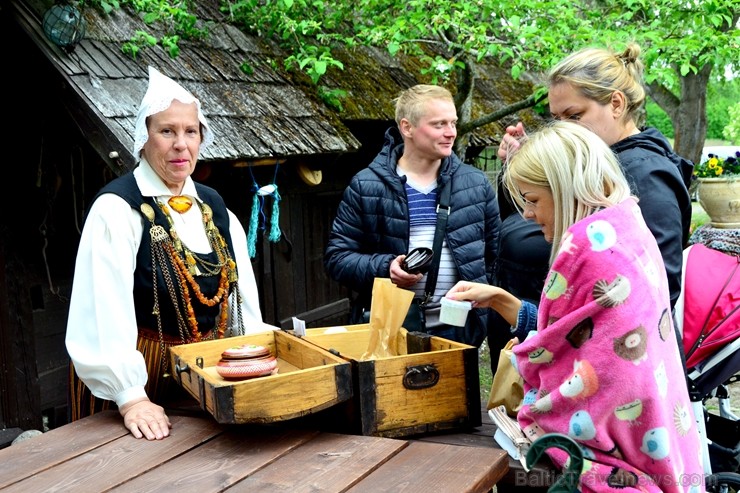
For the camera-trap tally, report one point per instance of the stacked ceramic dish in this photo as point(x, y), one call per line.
point(246, 361)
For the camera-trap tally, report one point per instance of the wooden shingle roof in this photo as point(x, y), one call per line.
point(263, 114)
point(253, 116)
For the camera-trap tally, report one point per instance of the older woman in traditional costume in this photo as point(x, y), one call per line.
point(161, 262)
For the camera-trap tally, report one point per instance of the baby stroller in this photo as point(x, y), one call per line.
point(708, 318)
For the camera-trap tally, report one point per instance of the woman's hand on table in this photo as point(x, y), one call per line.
point(145, 419)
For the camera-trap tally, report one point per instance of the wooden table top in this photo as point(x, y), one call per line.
point(200, 455)
point(537, 480)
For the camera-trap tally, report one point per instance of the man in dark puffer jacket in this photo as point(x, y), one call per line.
point(389, 208)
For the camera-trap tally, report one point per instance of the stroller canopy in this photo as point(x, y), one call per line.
point(711, 314)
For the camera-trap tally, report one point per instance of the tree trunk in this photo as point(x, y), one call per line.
point(687, 113)
point(464, 104)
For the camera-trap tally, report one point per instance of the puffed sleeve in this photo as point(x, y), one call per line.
point(101, 328)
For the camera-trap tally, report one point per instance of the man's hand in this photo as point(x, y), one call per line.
point(143, 418)
point(400, 277)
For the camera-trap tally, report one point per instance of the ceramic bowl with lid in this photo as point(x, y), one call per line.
point(246, 361)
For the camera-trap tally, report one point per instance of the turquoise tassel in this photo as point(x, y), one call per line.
point(252, 235)
point(257, 203)
point(275, 219)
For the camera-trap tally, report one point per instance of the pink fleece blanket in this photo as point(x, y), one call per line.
point(603, 366)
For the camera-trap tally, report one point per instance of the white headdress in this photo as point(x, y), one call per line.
point(159, 96)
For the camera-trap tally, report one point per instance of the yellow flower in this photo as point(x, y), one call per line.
point(715, 167)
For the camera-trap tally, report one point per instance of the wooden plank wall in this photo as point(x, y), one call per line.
point(52, 361)
point(290, 273)
point(19, 383)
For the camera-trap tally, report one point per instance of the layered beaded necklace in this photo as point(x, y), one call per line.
point(168, 249)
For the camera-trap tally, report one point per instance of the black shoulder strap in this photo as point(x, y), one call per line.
point(443, 211)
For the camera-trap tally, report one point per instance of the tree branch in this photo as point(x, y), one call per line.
point(529, 102)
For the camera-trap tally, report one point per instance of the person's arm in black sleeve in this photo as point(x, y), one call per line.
point(348, 258)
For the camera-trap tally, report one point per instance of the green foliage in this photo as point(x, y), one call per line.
point(332, 97)
point(314, 61)
point(169, 43)
point(541, 108)
point(721, 95)
point(247, 68)
point(658, 118)
point(141, 38)
point(170, 17)
point(698, 217)
point(306, 29)
point(732, 131)
point(107, 6)
point(448, 35)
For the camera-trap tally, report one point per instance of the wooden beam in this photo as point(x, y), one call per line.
point(326, 311)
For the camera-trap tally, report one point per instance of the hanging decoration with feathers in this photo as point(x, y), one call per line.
point(258, 219)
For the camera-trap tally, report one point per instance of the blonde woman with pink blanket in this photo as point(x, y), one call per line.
point(603, 366)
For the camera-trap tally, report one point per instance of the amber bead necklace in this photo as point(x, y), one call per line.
point(180, 203)
point(169, 249)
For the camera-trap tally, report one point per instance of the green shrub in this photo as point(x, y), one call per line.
point(721, 97)
point(731, 131)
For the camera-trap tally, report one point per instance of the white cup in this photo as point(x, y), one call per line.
point(454, 312)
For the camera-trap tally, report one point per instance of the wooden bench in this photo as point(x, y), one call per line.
point(314, 317)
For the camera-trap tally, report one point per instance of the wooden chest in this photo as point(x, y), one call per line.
point(308, 379)
point(431, 385)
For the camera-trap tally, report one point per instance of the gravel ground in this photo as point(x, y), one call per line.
point(734, 389)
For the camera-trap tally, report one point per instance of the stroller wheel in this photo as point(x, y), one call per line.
point(723, 482)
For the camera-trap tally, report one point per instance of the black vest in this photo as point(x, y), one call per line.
point(126, 188)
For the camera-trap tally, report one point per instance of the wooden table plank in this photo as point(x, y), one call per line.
point(331, 463)
point(30, 457)
point(219, 464)
point(537, 480)
point(434, 467)
point(115, 460)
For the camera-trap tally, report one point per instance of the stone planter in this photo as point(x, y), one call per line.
point(720, 198)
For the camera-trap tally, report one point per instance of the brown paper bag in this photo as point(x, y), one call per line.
point(507, 388)
point(388, 309)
